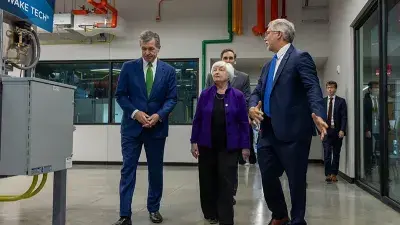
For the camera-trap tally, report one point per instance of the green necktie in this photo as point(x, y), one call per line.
point(149, 78)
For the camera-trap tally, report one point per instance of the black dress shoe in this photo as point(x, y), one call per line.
point(123, 221)
point(156, 217)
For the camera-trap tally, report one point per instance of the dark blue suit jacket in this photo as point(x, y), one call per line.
point(296, 94)
point(132, 94)
point(339, 113)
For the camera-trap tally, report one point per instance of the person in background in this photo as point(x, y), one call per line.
point(220, 133)
point(288, 103)
point(337, 122)
point(371, 128)
point(147, 94)
point(240, 81)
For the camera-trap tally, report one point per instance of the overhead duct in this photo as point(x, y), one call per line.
point(89, 23)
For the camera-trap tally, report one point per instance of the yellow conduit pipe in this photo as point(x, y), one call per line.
point(29, 193)
point(234, 9)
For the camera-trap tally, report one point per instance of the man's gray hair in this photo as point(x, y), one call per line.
point(147, 36)
point(285, 27)
point(228, 67)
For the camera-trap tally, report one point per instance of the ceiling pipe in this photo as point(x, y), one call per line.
point(274, 9)
point(98, 7)
point(259, 29)
point(82, 11)
point(158, 18)
point(240, 17)
point(114, 16)
point(234, 15)
point(283, 9)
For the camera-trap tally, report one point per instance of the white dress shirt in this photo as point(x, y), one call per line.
point(280, 55)
point(333, 109)
point(145, 67)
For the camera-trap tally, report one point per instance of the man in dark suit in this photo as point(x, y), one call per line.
point(337, 122)
point(241, 81)
point(371, 128)
point(147, 94)
point(289, 94)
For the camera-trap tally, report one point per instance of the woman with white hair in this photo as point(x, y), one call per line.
point(220, 132)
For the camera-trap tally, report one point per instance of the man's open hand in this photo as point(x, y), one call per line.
point(256, 114)
point(321, 125)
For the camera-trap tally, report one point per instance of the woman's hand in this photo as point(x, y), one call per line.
point(195, 150)
point(245, 154)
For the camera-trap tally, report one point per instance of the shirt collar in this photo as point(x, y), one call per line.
point(283, 51)
point(145, 63)
point(332, 97)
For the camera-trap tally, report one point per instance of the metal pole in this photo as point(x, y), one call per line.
point(59, 197)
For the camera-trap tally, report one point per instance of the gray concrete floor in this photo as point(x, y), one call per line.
point(92, 198)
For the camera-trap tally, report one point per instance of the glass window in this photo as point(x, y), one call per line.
point(187, 86)
point(368, 68)
point(393, 66)
point(92, 82)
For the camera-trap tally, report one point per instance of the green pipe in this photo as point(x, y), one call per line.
point(216, 41)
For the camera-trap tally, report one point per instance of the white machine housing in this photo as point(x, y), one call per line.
point(84, 25)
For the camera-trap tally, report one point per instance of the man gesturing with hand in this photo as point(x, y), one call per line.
point(288, 104)
point(147, 94)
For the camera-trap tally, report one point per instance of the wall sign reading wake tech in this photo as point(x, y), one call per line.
point(37, 12)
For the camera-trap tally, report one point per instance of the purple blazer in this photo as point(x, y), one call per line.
point(237, 122)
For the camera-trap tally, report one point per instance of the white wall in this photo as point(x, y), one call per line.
point(342, 14)
point(183, 27)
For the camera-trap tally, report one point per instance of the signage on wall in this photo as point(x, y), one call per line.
point(388, 70)
point(36, 12)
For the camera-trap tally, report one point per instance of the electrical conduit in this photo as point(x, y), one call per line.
point(29, 193)
point(216, 41)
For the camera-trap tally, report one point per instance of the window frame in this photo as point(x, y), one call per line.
point(110, 82)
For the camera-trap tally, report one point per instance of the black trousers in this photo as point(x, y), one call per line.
point(217, 171)
point(332, 147)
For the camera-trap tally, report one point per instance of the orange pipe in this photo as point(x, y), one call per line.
point(240, 17)
point(234, 17)
point(274, 9)
point(259, 29)
point(98, 7)
point(114, 15)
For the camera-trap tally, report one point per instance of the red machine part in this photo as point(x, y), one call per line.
point(283, 9)
point(158, 18)
point(259, 29)
point(100, 8)
point(274, 9)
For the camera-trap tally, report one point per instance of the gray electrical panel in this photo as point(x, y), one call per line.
point(36, 126)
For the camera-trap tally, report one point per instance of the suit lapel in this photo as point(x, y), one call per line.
point(157, 78)
point(282, 65)
point(142, 82)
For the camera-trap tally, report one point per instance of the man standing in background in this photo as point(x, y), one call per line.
point(241, 81)
point(147, 94)
point(337, 122)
